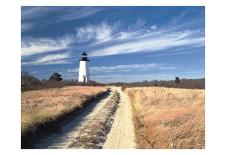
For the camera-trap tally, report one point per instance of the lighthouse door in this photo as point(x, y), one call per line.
point(84, 79)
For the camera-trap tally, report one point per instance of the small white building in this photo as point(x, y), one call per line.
point(83, 75)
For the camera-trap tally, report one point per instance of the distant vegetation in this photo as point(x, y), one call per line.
point(56, 77)
point(29, 82)
point(168, 117)
point(177, 83)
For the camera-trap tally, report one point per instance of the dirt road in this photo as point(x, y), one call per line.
point(122, 133)
point(104, 124)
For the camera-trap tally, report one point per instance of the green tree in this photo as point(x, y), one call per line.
point(56, 77)
point(177, 80)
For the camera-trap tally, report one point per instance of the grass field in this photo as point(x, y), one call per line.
point(39, 106)
point(168, 117)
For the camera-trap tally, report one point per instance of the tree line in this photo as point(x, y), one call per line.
point(29, 82)
point(176, 83)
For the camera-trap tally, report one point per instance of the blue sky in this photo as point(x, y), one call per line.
point(125, 44)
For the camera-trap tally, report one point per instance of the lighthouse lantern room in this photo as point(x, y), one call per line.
point(83, 68)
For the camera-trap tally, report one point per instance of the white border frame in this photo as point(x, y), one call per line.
point(215, 73)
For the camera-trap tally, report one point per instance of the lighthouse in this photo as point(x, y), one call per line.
point(83, 75)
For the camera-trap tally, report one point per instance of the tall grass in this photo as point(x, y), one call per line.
point(39, 106)
point(168, 117)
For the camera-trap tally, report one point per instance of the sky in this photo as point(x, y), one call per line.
point(124, 44)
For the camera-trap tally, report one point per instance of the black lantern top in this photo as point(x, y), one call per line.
point(84, 57)
point(84, 53)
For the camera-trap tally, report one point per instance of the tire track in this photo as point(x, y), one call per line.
point(105, 124)
point(65, 136)
point(122, 134)
point(94, 132)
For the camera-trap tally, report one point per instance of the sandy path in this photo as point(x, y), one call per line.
point(106, 123)
point(94, 132)
point(122, 133)
point(71, 130)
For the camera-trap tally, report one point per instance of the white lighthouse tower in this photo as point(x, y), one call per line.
point(83, 75)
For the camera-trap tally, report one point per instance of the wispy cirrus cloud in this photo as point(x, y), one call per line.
point(31, 46)
point(60, 58)
point(26, 26)
point(109, 39)
point(128, 68)
point(139, 24)
point(156, 42)
point(131, 67)
point(98, 33)
point(131, 77)
point(146, 76)
point(30, 14)
point(152, 42)
point(91, 33)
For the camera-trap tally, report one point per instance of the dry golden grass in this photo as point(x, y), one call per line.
point(168, 117)
point(42, 105)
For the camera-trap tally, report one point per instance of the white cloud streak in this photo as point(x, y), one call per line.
point(127, 68)
point(130, 67)
point(50, 59)
point(148, 76)
point(66, 14)
point(106, 39)
point(139, 24)
point(131, 77)
point(152, 42)
point(26, 26)
point(32, 46)
point(153, 27)
point(97, 33)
